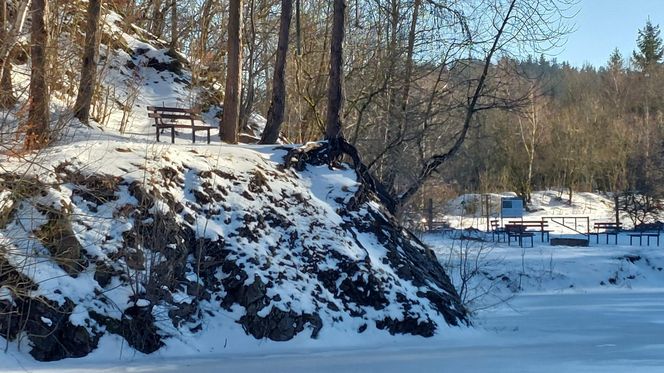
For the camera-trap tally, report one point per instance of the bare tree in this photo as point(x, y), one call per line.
point(228, 130)
point(275, 116)
point(515, 21)
point(37, 135)
point(88, 81)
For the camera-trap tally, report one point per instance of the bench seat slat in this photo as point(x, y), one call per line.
point(174, 116)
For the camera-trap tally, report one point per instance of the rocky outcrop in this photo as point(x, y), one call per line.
point(278, 251)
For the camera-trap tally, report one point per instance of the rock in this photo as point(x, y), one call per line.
point(279, 325)
point(58, 237)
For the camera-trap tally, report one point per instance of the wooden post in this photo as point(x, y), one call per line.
point(487, 210)
point(430, 214)
point(616, 201)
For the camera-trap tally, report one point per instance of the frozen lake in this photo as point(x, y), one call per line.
point(595, 332)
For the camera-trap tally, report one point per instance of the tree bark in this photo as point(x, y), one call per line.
point(9, 38)
point(298, 29)
point(409, 62)
point(174, 27)
point(275, 115)
point(37, 135)
point(88, 81)
point(157, 19)
point(247, 104)
point(229, 124)
point(7, 98)
point(335, 96)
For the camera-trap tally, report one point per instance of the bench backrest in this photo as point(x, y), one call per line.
point(172, 113)
point(516, 228)
point(608, 226)
point(168, 109)
point(537, 223)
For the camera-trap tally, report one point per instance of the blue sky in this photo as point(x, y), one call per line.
point(602, 25)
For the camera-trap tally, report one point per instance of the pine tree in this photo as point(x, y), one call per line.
point(616, 62)
point(650, 49)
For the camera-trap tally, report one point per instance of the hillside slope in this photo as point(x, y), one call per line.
point(152, 241)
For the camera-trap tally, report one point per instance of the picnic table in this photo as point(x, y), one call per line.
point(540, 224)
point(518, 233)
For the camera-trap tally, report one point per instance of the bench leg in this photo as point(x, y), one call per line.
point(157, 132)
point(172, 135)
point(208, 133)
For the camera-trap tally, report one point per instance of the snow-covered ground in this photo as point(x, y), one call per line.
point(595, 309)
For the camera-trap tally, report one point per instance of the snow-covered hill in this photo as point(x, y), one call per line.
point(158, 242)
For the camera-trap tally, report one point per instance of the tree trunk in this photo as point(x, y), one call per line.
point(88, 82)
point(275, 116)
point(335, 97)
point(229, 124)
point(409, 61)
point(298, 29)
point(7, 98)
point(174, 27)
point(248, 102)
point(8, 38)
point(206, 18)
point(157, 19)
point(37, 135)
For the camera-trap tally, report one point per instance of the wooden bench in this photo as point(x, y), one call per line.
point(518, 232)
point(541, 224)
point(169, 117)
point(606, 228)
